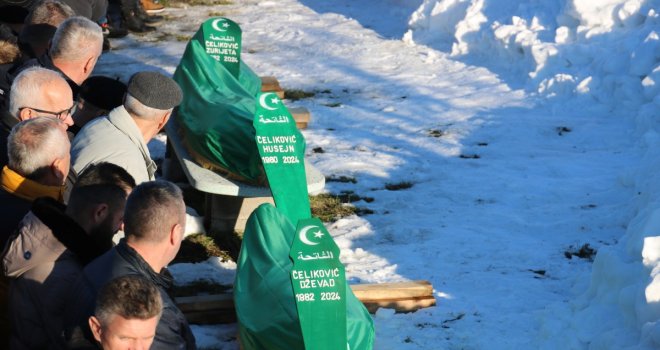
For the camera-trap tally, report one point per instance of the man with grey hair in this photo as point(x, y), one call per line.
point(154, 224)
point(121, 137)
point(38, 165)
point(76, 47)
point(36, 92)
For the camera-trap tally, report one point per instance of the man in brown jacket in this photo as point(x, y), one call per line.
point(52, 245)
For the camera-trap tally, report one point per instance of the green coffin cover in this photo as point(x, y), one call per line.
point(217, 111)
point(263, 294)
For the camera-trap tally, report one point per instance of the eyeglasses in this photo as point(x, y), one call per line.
point(61, 115)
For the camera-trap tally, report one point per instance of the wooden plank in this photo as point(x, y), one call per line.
point(301, 115)
point(387, 291)
point(271, 84)
point(402, 297)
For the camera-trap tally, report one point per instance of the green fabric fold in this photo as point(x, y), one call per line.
point(217, 111)
point(263, 294)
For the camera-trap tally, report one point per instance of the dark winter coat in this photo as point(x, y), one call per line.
point(12, 211)
point(44, 259)
point(7, 122)
point(172, 332)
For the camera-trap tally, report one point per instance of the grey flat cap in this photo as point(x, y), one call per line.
point(155, 90)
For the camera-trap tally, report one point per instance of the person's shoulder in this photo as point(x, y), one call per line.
point(97, 136)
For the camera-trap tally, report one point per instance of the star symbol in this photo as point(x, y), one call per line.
point(318, 234)
point(226, 25)
point(274, 101)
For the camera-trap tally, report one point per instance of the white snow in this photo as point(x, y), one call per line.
point(527, 128)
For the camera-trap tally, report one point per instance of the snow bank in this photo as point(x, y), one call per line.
point(595, 53)
point(606, 50)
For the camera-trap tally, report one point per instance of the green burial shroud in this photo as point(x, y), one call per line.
point(217, 111)
point(263, 294)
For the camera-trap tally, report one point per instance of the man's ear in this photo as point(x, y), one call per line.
point(25, 114)
point(100, 212)
point(164, 120)
point(89, 65)
point(95, 326)
point(56, 169)
point(175, 236)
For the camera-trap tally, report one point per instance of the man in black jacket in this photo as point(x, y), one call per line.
point(154, 224)
point(52, 245)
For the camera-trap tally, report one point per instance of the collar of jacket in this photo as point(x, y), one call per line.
point(27, 189)
point(7, 121)
point(123, 121)
point(163, 279)
point(47, 62)
point(68, 232)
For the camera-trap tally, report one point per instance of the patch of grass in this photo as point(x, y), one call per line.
point(350, 197)
point(297, 94)
point(333, 104)
point(230, 242)
point(328, 207)
point(199, 247)
point(398, 186)
point(200, 287)
point(363, 211)
point(343, 179)
point(182, 37)
point(583, 252)
point(436, 133)
point(173, 3)
point(217, 14)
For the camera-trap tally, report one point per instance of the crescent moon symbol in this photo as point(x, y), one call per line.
point(214, 24)
point(303, 235)
point(262, 102)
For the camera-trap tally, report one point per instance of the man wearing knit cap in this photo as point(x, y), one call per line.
point(97, 97)
point(121, 138)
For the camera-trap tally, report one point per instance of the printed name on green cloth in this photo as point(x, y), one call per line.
point(222, 40)
point(319, 286)
point(282, 150)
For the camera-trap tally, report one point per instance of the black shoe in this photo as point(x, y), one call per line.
point(154, 20)
point(113, 32)
point(136, 25)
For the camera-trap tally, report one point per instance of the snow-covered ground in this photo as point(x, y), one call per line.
point(527, 129)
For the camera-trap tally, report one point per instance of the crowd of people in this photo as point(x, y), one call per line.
point(76, 170)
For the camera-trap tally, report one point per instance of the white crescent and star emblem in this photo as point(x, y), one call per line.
point(214, 24)
point(265, 104)
point(303, 234)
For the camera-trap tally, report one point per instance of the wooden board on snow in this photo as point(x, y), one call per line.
point(401, 296)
